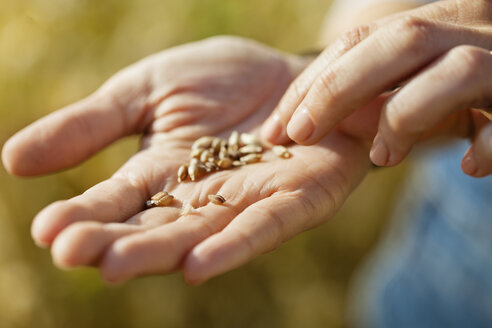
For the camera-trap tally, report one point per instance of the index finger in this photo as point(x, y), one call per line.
point(273, 130)
point(384, 59)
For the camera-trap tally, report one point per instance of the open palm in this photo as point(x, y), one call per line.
point(210, 87)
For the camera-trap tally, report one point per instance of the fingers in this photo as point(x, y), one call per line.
point(477, 161)
point(452, 83)
point(321, 179)
point(273, 130)
point(158, 243)
point(331, 87)
point(116, 199)
point(83, 243)
point(161, 250)
point(113, 200)
point(70, 135)
point(384, 59)
point(260, 228)
point(80, 240)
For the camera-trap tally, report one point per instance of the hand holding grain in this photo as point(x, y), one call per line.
point(212, 87)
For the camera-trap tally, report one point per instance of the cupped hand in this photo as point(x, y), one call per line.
point(210, 87)
point(438, 56)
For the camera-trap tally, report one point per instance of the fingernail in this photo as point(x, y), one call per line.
point(300, 126)
point(272, 129)
point(379, 152)
point(468, 164)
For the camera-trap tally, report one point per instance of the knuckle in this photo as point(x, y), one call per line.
point(124, 248)
point(399, 120)
point(298, 89)
point(315, 207)
point(354, 36)
point(401, 127)
point(273, 231)
point(245, 239)
point(292, 98)
point(309, 204)
point(129, 249)
point(278, 228)
point(471, 59)
point(417, 33)
point(413, 23)
point(327, 85)
point(68, 212)
point(83, 230)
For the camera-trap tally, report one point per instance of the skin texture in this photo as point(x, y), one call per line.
point(210, 87)
point(439, 57)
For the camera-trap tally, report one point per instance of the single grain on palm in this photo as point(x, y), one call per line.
point(216, 199)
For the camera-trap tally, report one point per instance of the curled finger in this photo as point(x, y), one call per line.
point(273, 130)
point(458, 80)
point(477, 161)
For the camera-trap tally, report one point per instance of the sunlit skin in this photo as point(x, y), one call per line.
point(223, 84)
point(439, 56)
point(210, 87)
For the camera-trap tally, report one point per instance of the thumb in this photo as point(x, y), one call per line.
point(74, 133)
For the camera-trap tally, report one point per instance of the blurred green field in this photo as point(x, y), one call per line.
point(53, 52)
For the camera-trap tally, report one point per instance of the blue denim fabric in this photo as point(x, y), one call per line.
point(434, 267)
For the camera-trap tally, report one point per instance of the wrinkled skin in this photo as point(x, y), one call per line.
point(210, 87)
point(439, 56)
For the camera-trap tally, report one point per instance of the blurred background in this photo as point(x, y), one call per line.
point(54, 52)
